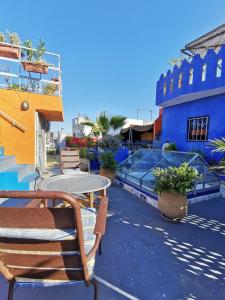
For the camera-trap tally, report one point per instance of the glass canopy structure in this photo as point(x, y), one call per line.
point(137, 169)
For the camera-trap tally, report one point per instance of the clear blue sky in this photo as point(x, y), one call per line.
point(113, 51)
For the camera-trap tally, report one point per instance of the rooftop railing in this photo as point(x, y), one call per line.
point(18, 73)
point(200, 74)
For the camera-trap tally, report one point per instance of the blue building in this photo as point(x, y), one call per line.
point(193, 100)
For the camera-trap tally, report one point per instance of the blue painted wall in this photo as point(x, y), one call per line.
point(174, 124)
point(168, 88)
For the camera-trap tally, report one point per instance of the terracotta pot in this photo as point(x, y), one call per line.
point(108, 173)
point(39, 67)
point(9, 51)
point(172, 205)
point(84, 164)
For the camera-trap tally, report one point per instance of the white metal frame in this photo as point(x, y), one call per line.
point(24, 79)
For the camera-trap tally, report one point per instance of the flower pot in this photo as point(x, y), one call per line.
point(172, 205)
point(9, 51)
point(35, 67)
point(84, 164)
point(111, 174)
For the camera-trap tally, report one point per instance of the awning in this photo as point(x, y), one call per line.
point(139, 128)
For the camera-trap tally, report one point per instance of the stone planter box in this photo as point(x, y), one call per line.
point(35, 67)
point(9, 51)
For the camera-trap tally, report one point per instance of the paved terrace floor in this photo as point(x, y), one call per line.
point(145, 257)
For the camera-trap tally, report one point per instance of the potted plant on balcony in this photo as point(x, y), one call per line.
point(172, 185)
point(108, 165)
point(10, 51)
point(34, 62)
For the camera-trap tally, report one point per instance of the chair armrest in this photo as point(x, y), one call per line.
point(99, 226)
point(101, 217)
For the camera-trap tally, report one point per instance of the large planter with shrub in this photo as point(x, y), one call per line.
point(172, 185)
point(108, 165)
point(9, 51)
point(35, 67)
point(173, 205)
point(109, 173)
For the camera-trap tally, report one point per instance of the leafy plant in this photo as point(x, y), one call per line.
point(28, 53)
point(13, 38)
point(50, 89)
point(171, 147)
point(110, 143)
point(2, 37)
point(108, 161)
point(175, 179)
point(40, 51)
point(104, 123)
point(218, 145)
point(83, 152)
point(117, 121)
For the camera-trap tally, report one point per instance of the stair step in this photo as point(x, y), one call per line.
point(32, 180)
point(21, 170)
point(7, 162)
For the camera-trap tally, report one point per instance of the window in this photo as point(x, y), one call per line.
point(180, 81)
point(191, 76)
point(204, 67)
point(219, 68)
point(198, 129)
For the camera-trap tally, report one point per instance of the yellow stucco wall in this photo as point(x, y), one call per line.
point(19, 143)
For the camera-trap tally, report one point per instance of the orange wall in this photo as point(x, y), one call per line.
point(18, 143)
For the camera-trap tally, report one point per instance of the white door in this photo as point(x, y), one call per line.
point(40, 143)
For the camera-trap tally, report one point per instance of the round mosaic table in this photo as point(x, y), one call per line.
point(78, 183)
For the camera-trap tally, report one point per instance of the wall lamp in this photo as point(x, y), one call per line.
point(25, 105)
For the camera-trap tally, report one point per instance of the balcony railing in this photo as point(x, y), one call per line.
point(13, 76)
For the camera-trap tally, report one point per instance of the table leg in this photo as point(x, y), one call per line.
point(91, 199)
point(103, 193)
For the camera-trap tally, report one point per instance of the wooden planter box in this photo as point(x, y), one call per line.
point(35, 67)
point(9, 51)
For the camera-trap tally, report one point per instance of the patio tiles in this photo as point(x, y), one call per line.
point(145, 257)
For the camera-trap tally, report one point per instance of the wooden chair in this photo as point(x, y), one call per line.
point(49, 244)
point(70, 159)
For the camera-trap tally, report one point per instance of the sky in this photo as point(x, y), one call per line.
point(112, 51)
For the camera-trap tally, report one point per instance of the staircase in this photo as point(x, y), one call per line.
point(20, 177)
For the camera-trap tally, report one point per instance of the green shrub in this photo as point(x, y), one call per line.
point(108, 161)
point(175, 179)
point(171, 147)
point(83, 152)
point(109, 143)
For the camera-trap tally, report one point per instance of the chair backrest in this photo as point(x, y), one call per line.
point(69, 158)
point(42, 243)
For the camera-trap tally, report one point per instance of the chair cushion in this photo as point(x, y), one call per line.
point(88, 216)
point(38, 234)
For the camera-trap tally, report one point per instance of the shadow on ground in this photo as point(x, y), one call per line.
point(145, 257)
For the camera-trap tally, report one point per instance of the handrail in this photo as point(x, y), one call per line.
point(13, 121)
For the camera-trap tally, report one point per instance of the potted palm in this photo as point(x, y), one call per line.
point(108, 165)
point(172, 185)
point(33, 59)
point(10, 51)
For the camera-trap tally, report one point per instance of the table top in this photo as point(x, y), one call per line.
point(79, 183)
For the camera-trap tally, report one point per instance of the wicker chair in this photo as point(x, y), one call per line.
point(49, 244)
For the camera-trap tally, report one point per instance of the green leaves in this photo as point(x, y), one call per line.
point(175, 179)
point(218, 145)
point(117, 121)
point(108, 161)
point(104, 123)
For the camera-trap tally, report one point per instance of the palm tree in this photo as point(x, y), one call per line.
point(117, 121)
point(218, 145)
point(104, 123)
